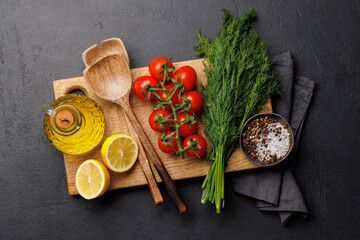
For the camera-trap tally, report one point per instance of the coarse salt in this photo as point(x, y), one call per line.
point(277, 144)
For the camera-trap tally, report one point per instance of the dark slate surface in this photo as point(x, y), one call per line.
point(41, 41)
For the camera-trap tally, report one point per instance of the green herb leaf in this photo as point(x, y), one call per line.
point(239, 82)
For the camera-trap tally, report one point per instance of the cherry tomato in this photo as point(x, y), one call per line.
point(186, 130)
point(199, 152)
point(167, 148)
point(155, 67)
point(196, 100)
point(153, 117)
point(187, 75)
point(141, 83)
point(174, 99)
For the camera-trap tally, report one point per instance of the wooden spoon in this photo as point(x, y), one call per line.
point(93, 54)
point(110, 79)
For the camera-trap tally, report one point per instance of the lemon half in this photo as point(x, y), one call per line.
point(119, 152)
point(92, 179)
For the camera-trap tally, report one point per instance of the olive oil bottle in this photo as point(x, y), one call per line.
point(74, 124)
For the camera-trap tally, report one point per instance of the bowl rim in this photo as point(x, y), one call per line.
point(265, 164)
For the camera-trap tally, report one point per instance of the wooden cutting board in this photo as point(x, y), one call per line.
point(115, 123)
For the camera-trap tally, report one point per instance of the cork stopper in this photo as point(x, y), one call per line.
point(64, 119)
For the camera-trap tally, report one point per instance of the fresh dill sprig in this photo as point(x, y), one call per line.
point(239, 83)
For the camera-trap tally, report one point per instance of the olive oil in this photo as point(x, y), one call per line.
point(74, 124)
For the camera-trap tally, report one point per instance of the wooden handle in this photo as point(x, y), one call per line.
point(155, 192)
point(164, 175)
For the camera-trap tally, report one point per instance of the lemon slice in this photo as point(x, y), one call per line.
point(119, 152)
point(92, 179)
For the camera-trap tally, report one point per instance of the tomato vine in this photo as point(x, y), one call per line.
point(182, 105)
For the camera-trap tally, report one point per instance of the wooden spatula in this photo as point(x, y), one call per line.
point(93, 54)
point(108, 46)
point(110, 79)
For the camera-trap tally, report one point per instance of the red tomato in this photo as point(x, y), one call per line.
point(187, 75)
point(186, 130)
point(141, 83)
point(155, 67)
point(199, 152)
point(174, 99)
point(196, 100)
point(153, 117)
point(168, 148)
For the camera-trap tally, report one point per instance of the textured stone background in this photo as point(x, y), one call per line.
point(41, 41)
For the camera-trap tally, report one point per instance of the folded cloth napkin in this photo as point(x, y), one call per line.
point(275, 188)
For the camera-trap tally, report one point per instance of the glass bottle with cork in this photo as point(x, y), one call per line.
point(74, 124)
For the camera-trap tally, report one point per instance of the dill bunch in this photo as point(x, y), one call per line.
point(239, 83)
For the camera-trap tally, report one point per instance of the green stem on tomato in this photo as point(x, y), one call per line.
point(176, 123)
point(179, 108)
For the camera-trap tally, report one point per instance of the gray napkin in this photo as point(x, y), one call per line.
point(275, 188)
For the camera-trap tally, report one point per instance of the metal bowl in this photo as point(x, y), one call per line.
point(280, 119)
